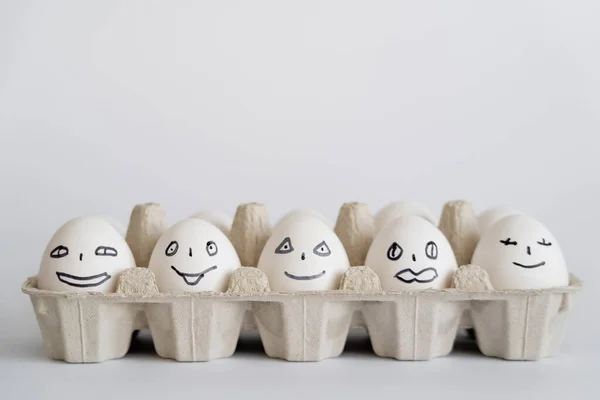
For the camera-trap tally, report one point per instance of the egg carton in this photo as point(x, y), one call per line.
point(302, 326)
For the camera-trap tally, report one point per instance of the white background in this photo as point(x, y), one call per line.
point(207, 104)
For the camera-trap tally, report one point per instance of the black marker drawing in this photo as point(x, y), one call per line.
point(285, 247)
point(430, 272)
point(304, 277)
point(431, 250)
point(529, 266)
point(544, 243)
point(211, 248)
point(322, 249)
point(73, 280)
point(508, 242)
point(193, 279)
point(106, 251)
point(394, 252)
point(172, 248)
point(59, 252)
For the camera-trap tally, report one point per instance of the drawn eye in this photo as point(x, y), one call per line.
point(285, 246)
point(431, 250)
point(544, 243)
point(59, 252)
point(394, 252)
point(172, 248)
point(508, 242)
point(211, 248)
point(105, 251)
point(322, 250)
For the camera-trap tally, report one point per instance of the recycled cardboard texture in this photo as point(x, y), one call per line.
point(304, 326)
point(250, 231)
point(355, 227)
point(147, 223)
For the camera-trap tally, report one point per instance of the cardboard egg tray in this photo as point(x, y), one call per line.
point(303, 326)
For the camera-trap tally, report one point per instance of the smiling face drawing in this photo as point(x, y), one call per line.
point(85, 255)
point(519, 252)
point(303, 254)
point(411, 254)
point(193, 256)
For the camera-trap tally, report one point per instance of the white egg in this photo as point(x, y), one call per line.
point(85, 255)
point(493, 215)
point(400, 209)
point(217, 218)
point(193, 256)
point(410, 254)
point(302, 213)
point(519, 252)
point(303, 254)
point(114, 222)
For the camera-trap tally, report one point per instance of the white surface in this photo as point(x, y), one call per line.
point(203, 105)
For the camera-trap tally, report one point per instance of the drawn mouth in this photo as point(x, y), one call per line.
point(530, 266)
point(83, 281)
point(423, 276)
point(304, 277)
point(193, 279)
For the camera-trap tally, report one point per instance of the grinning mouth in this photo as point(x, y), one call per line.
point(530, 266)
point(410, 276)
point(83, 281)
point(193, 279)
point(304, 277)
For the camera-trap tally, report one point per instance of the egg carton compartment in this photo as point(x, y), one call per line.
point(311, 326)
point(302, 326)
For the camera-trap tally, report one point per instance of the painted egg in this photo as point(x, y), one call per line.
point(193, 256)
point(302, 213)
point(410, 254)
point(303, 254)
point(400, 209)
point(85, 255)
point(217, 218)
point(519, 252)
point(493, 215)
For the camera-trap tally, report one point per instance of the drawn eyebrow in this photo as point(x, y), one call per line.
point(508, 242)
point(544, 243)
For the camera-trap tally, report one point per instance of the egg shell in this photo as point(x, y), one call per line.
point(114, 222)
point(219, 219)
point(401, 208)
point(493, 215)
point(302, 213)
point(193, 256)
point(411, 254)
point(86, 254)
point(512, 253)
point(303, 254)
